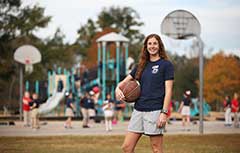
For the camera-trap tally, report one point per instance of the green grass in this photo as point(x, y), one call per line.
point(221, 143)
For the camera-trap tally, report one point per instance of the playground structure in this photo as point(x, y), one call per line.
point(108, 76)
point(25, 55)
point(195, 108)
point(109, 72)
point(112, 67)
point(54, 95)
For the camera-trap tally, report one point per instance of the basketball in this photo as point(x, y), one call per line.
point(131, 90)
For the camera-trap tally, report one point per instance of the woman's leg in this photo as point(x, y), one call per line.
point(157, 143)
point(130, 142)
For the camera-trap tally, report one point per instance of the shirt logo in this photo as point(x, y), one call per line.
point(155, 69)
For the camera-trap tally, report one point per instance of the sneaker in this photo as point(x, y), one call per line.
point(86, 126)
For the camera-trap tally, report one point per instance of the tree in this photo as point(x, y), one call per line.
point(125, 20)
point(17, 25)
point(86, 34)
point(122, 20)
point(185, 75)
point(221, 77)
point(56, 52)
point(16, 28)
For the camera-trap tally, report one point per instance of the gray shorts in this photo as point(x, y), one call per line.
point(145, 123)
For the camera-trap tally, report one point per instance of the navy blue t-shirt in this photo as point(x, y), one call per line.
point(87, 103)
point(186, 101)
point(153, 84)
point(91, 104)
point(69, 102)
point(36, 101)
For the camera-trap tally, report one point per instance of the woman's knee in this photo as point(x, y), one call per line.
point(127, 148)
point(156, 148)
point(157, 144)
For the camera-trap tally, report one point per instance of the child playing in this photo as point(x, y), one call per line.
point(108, 109)
point(69, 111)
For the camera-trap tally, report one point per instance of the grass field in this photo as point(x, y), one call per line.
point(223, 143)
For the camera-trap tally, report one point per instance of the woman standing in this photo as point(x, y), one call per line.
point(155, 74)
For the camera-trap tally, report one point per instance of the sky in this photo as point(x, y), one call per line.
point(219, 19)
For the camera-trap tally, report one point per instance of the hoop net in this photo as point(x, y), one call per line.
point(28, 66)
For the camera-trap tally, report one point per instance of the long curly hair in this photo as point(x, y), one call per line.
point(144, 56)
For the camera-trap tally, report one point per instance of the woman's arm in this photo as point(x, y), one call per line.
point(118, 92)
point(168, 93)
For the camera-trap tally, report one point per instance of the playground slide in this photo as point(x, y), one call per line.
point(195, 109)
point(52, 102)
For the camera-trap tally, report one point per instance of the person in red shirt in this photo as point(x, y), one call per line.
point(26, 109)
point(235, 109)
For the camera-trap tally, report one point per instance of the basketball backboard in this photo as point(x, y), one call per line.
point(27, 54)
point(180, 24)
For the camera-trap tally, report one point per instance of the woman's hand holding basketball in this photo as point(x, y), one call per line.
point(119, 94)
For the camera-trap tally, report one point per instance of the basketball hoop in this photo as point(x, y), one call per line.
point(28, 66)
point(180, 24)
point(27, 55)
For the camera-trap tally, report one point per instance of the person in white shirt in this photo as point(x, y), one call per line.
point(108, 109)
